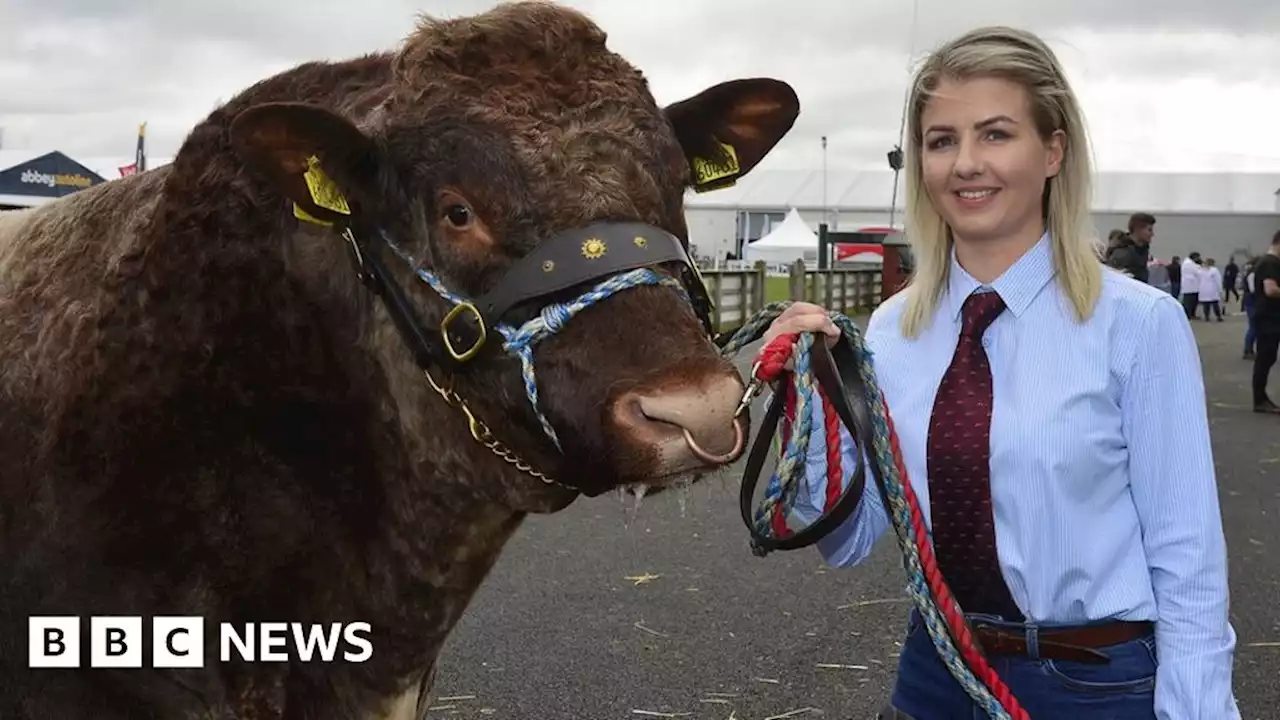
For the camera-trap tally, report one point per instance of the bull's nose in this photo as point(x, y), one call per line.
point(692, 424)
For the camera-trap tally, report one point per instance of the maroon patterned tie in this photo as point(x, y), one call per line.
point(959, 468)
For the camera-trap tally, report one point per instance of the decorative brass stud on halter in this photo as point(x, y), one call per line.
point(594, 249)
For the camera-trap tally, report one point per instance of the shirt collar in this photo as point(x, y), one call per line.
point(1017, 286)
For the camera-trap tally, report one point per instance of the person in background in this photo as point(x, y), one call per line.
point(1241, 281)
point(1115, 240)
point(1211, 289)
point(1230, 280)
point(1248, 302)
point(1133, 249)
point(1191, 284)
point(1158, 275)
point(1051, 415)
point(1175, 276)
point(1266, 318)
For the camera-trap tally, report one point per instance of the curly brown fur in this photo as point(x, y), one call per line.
point(204, 413)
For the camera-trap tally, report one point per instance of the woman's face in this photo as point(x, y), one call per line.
point(984, 163)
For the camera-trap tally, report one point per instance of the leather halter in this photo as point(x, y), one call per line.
point(565, 261)
point(572, 258)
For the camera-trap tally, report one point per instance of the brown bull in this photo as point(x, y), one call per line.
point(204, 410)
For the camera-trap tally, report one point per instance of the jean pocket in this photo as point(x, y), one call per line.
point(1132, 670)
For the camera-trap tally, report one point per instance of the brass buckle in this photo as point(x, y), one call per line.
point(444, 331)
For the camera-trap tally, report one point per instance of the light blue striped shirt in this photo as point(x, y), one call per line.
point(1103, 484)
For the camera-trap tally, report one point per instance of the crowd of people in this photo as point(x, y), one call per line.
point(1202, 287)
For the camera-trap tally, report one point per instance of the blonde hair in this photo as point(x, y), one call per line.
point(1020, 57)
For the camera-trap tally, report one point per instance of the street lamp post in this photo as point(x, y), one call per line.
point(824, 179)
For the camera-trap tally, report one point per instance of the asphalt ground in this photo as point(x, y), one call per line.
point(589, 616)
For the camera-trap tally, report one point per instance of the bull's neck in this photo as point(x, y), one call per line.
point(441, 544)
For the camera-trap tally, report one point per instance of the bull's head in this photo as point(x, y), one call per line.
point(518, 164)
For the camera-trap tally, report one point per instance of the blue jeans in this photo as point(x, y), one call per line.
point(1250, 333)
point(1124, 689)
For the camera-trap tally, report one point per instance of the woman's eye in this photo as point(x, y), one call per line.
point(458, 215)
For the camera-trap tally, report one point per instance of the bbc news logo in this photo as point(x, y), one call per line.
point(178, 642)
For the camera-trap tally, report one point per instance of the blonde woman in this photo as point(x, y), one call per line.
point(1051, 413)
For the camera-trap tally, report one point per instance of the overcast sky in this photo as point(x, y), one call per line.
point(1166, 84)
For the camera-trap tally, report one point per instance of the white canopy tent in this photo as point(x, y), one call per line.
point(791, 240)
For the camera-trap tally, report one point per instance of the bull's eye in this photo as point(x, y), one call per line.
point(458, 215)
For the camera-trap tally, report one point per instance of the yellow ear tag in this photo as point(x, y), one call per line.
point(303, 215)
point(324, 192)
point(708, 175)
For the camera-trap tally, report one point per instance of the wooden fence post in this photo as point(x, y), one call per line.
point(758, 292)
point(717, 298)
point(797, 290)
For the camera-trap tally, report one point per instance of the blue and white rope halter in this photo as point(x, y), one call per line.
point(520, 341)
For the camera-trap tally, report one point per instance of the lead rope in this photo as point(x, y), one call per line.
point(937, 606)
point(943, 618)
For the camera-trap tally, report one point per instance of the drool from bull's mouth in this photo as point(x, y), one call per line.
point(631, 496)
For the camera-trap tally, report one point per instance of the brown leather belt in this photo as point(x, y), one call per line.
point(1079, 644)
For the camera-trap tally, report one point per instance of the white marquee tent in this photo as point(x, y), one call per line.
point(791, 240)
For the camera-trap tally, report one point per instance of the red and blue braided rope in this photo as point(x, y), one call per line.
point(770, 368)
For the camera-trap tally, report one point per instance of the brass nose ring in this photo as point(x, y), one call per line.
point(739, 439)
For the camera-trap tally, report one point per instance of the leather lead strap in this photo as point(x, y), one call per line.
point(834, 378)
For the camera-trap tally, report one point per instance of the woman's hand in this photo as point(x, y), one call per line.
point(803, 317)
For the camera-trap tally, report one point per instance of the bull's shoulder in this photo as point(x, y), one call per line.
point(58, 265)
point(63, 245)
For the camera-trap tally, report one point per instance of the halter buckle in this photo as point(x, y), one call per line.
point(457, 310)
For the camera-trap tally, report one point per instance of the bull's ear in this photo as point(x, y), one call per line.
point(727, 129)
point(313, 156)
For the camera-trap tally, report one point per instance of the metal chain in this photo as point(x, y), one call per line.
point(481, 433)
